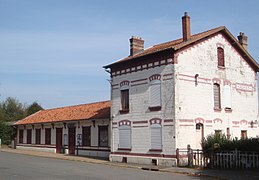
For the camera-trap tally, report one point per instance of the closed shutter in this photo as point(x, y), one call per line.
point(155, 94)
point(124, 137)
point(216, 96)
point(221, 61)
point(156, 136)
point(227, 96)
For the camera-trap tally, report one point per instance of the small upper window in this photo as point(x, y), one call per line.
point(221, 60)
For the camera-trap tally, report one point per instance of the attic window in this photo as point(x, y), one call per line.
point(221, 59)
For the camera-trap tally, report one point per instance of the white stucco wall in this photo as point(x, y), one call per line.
point(194, 103)
point(139, 114)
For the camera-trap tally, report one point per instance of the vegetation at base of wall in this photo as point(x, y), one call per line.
point(11, 110)
point(218, 142)
point(6, 132)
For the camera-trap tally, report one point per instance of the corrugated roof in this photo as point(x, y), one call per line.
point(179, 43)
point(98, 110)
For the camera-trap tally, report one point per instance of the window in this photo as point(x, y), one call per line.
point(227, 96)
point(198, 126)
point(28, 136)
point(125, 137)
point(48, 136)
point(156, 136)
point(103, 136)
point(216, 88)
point(86, 140)
point(218, 132)
point(155, 94)
point(228, 134)
point(243, 134)
point(221, 60)
point(38, 136)
point(21, 136)
point(125, 99)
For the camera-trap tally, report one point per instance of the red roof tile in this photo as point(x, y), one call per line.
point(179, 43)
point(98, 110)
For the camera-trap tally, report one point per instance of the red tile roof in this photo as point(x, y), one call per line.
point(179, 43)
point(98, 110)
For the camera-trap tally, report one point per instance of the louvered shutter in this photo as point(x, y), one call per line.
point(155, 94)
point(216, 88)
point(124, 137)
point(227, 96)
point(156, 136)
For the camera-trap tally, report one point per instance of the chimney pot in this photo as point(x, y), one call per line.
point(243, 40)
point(186, 27)
point(136, 45)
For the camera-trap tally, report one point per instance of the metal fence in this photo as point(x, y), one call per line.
point(222, 159)
point(235, 159)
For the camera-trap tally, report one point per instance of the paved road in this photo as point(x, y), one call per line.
point(24, 167)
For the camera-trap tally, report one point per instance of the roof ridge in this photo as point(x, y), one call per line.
point(76, 105)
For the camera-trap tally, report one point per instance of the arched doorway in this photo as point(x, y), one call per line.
point(199, 135)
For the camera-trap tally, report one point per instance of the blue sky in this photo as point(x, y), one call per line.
point(52, 51)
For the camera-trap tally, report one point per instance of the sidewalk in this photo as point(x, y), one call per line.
point(217, 174)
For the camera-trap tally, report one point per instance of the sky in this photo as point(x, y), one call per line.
point(53, 51)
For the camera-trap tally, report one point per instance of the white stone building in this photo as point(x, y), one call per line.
point(81, 129)
point(174, 94)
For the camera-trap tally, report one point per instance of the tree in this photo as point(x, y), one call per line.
point(33, 108)
point(13, 109)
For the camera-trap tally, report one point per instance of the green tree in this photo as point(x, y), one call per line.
point(5, 133)
point(33, 108)
point(13, 110)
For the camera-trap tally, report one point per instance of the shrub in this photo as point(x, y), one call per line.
point(5, 133)
point(219, 142)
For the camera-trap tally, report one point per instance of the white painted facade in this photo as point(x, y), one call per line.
point(93, 150)
point(185, 101)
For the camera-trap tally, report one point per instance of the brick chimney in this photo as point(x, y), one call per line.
point(186, 25)
point(136, 45)
point(242, 38)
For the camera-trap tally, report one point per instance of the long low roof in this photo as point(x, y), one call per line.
point(98, 110)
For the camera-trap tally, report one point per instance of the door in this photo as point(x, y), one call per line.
point(71, 140)
point(199, 135)
point(58, 140)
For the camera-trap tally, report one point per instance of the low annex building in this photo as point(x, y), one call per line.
point(174, 94)
point(82, 129)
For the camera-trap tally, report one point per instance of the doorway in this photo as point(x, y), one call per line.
point(199, 135)
point(71, 140)
point(58, 140)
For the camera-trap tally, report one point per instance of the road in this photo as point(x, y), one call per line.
point(24, 167)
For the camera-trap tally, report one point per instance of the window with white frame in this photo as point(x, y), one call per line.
point(125, 136)
point(155, 93)
point(156, 136)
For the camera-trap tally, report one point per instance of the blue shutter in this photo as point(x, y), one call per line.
point(156, 136)
point(124, 136)
point(155, 94)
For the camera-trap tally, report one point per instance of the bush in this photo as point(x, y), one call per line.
point(219, 142)
point(5, 133)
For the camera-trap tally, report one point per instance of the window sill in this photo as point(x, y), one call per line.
point(229, 110)
point(155, 108)
point(156, 150)
point(217, 109)
point(221, 67)
point(124, 111)
point(124, 149)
